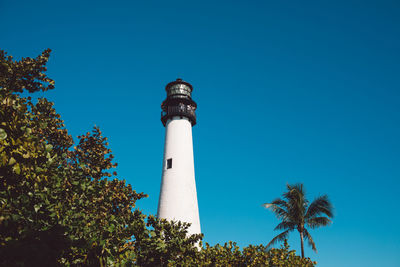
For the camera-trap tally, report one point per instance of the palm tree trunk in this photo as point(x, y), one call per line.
point(302, 244)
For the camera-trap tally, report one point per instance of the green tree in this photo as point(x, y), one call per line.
point(59, 205)
point(27, 222)
point(231, 255)
point(295, 212)
point(163, 243)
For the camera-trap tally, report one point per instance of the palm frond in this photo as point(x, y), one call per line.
point(320, 205)
point(279, 202)
point(308, 237)
point(296, 188)
point(285, 225)
point(316, 222)
point(278, 207)
point(299, 187)
point(296, 202)
point(282, 236)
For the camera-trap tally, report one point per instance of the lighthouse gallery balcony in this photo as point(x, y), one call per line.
point(181, 110)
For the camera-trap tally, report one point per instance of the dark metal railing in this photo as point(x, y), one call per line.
point(180, 110)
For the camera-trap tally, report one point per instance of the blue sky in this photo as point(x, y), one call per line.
point(287, 91)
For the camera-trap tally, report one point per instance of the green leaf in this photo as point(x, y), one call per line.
point(11, 161)
point(17, 169)
point(3, 134)
point(43, 125)
point(49, 147)
point(37, 207)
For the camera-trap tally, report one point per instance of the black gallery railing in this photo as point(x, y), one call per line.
point(181, 110)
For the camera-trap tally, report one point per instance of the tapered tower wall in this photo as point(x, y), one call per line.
point(178, 197)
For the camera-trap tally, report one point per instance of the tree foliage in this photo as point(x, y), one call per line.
point(231, 255)
point(59, 204)
point(296, 212)
point(62, 205)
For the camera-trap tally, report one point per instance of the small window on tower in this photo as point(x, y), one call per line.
point(169, 163)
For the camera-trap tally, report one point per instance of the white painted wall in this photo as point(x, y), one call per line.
point(178, 196)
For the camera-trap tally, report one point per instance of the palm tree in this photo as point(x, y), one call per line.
point(296, 213)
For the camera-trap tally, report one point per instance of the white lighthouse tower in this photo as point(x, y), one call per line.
point(178, 196)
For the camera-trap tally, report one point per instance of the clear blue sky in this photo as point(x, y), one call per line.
point(287, 91)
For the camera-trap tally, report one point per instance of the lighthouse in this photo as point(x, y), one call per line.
point(178, 196)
